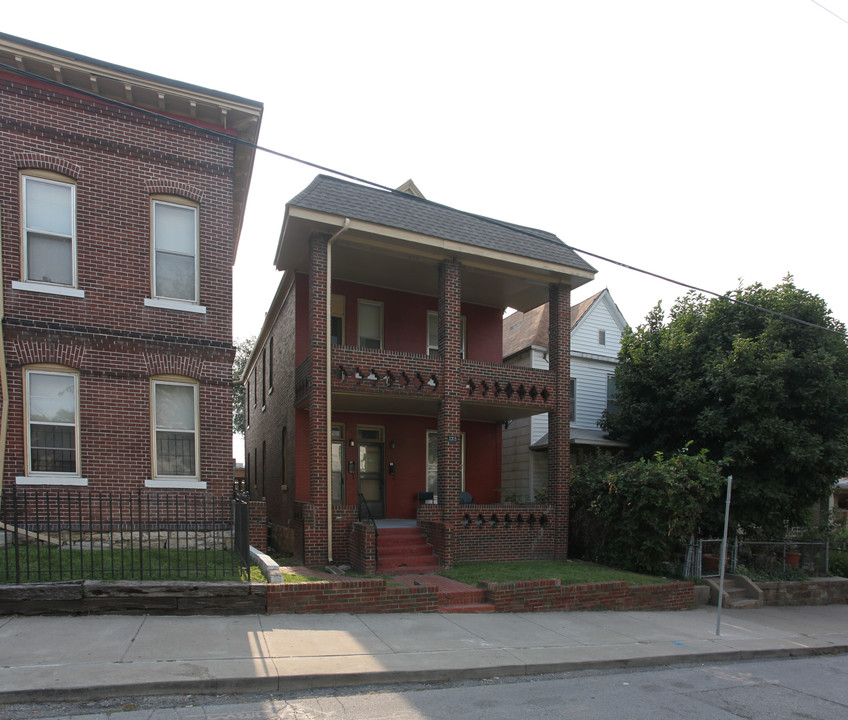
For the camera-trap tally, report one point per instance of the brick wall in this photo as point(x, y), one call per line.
point(118, 159)
point(489, 533)
point(363, 548)
point(549, 594)
point(258, 525)
point(350, 596)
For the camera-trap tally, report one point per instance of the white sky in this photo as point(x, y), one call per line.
point(706, 141)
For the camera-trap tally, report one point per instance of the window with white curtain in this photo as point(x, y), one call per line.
point(175, 243)
point(49, 230)
point(52, 408)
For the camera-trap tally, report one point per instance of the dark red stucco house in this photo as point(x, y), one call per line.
point(378, 376)
point(122, 196)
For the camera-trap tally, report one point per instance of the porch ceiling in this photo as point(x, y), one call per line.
point(401, 263)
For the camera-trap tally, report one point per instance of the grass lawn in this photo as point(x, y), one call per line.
point(569, 572)
point(51, 564)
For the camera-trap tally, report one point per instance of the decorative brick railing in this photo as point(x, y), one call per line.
point(508, 385)
point(408, 374)
point(489, 532)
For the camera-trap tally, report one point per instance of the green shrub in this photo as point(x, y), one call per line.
point(634, 515)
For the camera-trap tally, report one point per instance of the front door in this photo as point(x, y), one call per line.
point(372, 479)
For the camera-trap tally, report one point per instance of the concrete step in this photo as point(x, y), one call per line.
point(742, 603)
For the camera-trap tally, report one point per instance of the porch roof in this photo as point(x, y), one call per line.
point(386, 225)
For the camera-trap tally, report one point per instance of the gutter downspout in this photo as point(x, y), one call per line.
point(330, 242)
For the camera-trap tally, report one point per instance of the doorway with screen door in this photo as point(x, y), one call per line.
point(371, 475)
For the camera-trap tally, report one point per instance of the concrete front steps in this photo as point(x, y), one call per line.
point(739, 592)
point(405, 551)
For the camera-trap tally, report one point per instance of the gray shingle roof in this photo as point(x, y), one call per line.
point(406, 212)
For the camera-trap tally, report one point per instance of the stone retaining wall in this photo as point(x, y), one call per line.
point(817, 591)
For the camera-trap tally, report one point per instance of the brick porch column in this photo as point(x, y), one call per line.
point(315, 530)
point(450, 347)
point(559, 430)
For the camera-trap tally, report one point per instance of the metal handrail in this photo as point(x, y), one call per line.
point(370, 519)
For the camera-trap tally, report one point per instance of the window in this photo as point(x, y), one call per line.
point(174, 251)
point(337, 316)
point(370, 324)
point(602, 337)
point(49, 229)
point(572, 394)
point(612, 404)
point(433, 462)
point(247, 404)
point(271, 365)
point(175, 428)
point(52, 416)
point(264, 376)
point(433, 335)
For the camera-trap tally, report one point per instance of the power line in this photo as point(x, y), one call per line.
point(371, 183)
point(829, 10)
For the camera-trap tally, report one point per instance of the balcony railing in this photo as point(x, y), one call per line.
point(407, 374)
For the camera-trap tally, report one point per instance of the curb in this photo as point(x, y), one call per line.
point(282, 683)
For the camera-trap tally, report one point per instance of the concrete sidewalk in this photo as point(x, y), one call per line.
point(89, 657)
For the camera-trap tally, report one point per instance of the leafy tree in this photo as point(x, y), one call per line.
point(767, 395)
point(243, 350)
point(633, 515)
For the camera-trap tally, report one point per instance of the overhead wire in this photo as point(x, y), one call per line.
point(513, 228)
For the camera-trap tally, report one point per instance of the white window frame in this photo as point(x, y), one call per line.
point(572, 399)
point(433, 435)
point(359, 306)
point(28, 283)
point(50, 477)
point(166, 301)
point(174, 481)
point(433, 342)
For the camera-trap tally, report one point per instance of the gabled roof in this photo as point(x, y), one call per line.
point(530, 329)
point(403, 211)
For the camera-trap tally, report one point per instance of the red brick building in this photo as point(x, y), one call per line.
point(378, 375)
point(122, 196)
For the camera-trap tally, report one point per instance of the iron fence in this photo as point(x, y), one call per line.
point(762, 558)
point(60, 534)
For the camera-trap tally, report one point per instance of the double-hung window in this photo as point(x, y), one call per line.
point(370, 322)
point(433, 335)
point(175, 242)
point(175, 422)
point(52, 426)
point(49, 231)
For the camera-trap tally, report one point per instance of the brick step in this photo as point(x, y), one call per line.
point(409, 569)
point(420, 548)
point(470, 608)
point(468, 597)
point(399, 532)
point(402, 561)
